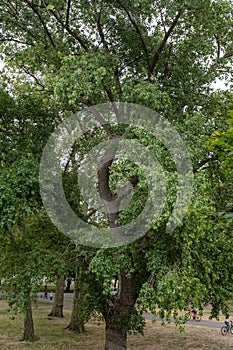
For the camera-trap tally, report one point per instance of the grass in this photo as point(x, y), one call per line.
point(52, 335)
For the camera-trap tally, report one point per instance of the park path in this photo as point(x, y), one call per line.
point(203, 323)
point(68, 298)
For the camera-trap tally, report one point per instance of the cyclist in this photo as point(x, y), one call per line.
point(194, 313)
point(228, 322)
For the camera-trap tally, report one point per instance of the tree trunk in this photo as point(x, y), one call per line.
point(77, 319)
point(115, 339)
point(29, 334)
point(118, 316)
point(57, 310)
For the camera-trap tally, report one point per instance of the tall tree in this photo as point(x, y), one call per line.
point(24, 262)
point(163, 55)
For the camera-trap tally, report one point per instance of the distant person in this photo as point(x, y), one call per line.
point(45, 294)
point(51, 296)
point(228, 322)
point(194, 313)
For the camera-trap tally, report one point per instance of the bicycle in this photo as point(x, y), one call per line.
point(225, 330)
point(193, 315)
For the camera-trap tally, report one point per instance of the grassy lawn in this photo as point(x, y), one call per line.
point(52, 335)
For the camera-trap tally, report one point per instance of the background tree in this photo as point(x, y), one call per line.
point(24, 262)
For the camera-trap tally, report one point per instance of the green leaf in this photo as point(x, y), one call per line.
point(50, 7)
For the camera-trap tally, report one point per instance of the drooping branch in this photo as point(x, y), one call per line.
point(163, 42)
point(12, 7)
point(166, 66)
point(17, 41)
point(26, 70)
point(212, 157)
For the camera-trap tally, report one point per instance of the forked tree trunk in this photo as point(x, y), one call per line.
point(29, 333)
point(57, 310)
point(77, 320)
point(118, 315)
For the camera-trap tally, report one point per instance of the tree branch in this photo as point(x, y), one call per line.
point(166, 66)
point(227, 55)
point(11, 7)
point(203, 162)
point(15, 41)
point(34, 9)
point(136, 27)
point(68, 13)
point(101, 32)
point(221, 59)
point(118, 83)
point(218, 46)
point(70, 31)
point(25, 69)
point(163, 43)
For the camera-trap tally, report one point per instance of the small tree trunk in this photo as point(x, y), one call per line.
point(77, 320)
point(29, 334)
point(57, 310)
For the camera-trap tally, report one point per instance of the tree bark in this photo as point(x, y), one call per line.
point(116, 339)
point(57, 310)
point(29, 333)
point(118, 316)
point(77, 322)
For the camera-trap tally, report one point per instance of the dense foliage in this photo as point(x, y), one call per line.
point(64, 55)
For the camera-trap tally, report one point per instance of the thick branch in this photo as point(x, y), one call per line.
point(70, 31)
point(118, 83)
point(163, 43)
point(68, 13)
point(34, 9)
point(97, 115)
point(104, 175)
point(116, 73)
point(136, 27)
point(101, 32)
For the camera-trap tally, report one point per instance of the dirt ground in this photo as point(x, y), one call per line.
point(52, 335)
